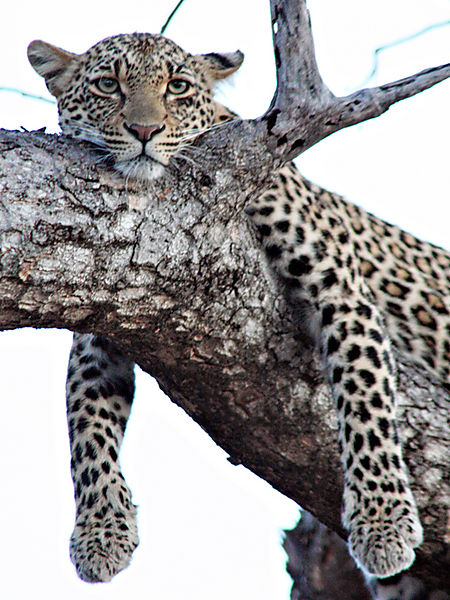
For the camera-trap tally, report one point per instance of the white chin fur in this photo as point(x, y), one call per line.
point(143, 170)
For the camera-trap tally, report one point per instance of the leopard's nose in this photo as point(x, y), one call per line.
point(144, 132)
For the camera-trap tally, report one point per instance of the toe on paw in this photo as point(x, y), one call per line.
point(99, 553)
point(381, 554)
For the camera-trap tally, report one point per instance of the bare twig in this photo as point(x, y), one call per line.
point(170, 17)
point(407, 38)
point(27, 94)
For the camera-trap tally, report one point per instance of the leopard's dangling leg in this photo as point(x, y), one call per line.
point(378, 509)
point(100, 389)
point(312, 248)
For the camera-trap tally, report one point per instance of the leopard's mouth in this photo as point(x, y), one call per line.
point(142, 167)
point(143, 164)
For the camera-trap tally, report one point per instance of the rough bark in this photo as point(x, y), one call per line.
point(319, 564)
point(184, 288)
point(174, 275)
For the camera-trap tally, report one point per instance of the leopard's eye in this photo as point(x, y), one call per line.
point(107, 85)
point(178, 86)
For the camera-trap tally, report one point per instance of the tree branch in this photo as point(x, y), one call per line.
point(298, 76)
point(183, 287)
point(303, 110)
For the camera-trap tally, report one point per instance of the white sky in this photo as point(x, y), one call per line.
point(208, 529)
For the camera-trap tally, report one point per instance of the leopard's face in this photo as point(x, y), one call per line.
point(138, 97)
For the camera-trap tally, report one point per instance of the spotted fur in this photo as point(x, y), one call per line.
point(364, 286)
point(100, 389)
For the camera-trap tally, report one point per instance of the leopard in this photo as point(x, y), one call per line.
point(366, 289)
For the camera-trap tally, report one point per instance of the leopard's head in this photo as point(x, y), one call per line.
point(138, 97)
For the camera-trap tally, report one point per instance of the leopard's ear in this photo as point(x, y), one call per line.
point(54, 64)
point(219, 65)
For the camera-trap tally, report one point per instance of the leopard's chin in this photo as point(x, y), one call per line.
point(142, 168)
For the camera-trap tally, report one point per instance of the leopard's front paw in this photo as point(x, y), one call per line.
point(384, 546)
point(101, 546)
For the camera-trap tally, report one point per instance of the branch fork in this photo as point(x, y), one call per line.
point(304, 110)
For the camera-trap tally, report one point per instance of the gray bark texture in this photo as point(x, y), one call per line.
point(319, 564)
point(173, 274)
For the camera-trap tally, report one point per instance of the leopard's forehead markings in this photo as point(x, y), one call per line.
point(137, 53)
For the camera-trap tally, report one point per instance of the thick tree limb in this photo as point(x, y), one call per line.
point(174, 275)
point(184, 288)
